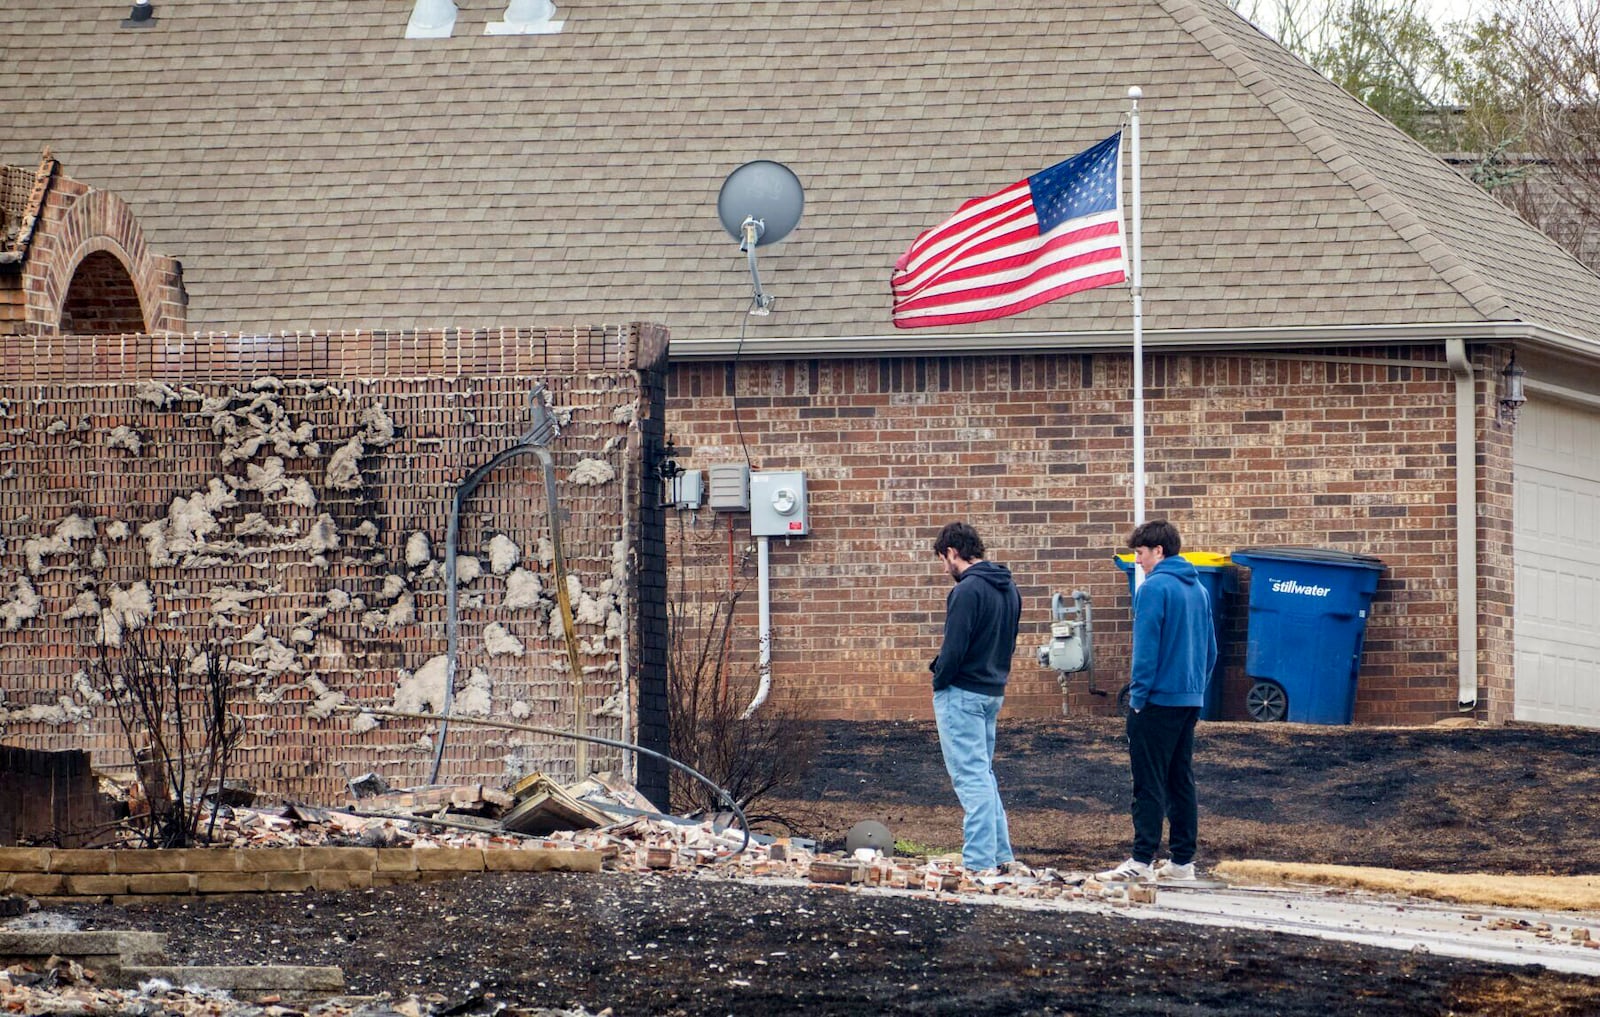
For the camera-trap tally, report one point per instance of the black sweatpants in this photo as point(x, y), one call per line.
point(1161, 751)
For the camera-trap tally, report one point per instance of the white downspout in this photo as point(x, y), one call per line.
point(1455, 352)
point(765, 616)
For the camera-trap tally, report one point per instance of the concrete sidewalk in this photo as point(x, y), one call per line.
point(1498, 935)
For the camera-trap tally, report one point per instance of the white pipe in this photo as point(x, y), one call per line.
point(1455, 352)
point(764, 599)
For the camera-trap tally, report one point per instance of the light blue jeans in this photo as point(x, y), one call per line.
point(966, 737)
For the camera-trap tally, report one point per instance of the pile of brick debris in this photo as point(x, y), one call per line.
point(609, 816)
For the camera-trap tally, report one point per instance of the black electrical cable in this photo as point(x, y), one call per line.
point(733, 381)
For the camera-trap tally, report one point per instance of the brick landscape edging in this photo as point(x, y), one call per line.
point(125, 872)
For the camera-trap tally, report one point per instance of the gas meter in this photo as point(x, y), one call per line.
point(1069, 649)
point(1071, 646)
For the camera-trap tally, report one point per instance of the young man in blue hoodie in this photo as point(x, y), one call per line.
point(969, 684)
point(1174, 648)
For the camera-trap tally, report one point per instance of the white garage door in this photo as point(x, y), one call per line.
point(1557, 483)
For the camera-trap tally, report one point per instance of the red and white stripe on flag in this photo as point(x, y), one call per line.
point(1057, 232)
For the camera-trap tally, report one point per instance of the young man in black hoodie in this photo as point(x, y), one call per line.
point(969, 684)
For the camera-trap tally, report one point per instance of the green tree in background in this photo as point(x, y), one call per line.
point(1390, 56)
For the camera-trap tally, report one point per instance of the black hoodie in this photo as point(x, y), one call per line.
point(980, 631)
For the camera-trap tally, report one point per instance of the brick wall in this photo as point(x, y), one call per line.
point(1035, 450)
point(270, 491)
point(651, 576)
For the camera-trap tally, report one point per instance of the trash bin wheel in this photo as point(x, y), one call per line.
point(1122, 699)
point(1266, 701)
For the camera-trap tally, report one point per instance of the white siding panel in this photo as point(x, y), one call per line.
point(1557, 476)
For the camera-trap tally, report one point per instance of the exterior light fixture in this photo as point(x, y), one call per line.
point(143, 15)
point(1512, 393)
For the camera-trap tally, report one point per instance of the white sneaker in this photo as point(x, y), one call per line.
point(1172, 870)
point(1128, 872)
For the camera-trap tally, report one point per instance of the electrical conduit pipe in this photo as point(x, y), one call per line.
point(764, 599)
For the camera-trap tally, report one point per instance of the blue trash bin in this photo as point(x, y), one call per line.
point(1308, 620)
point(1215, 574)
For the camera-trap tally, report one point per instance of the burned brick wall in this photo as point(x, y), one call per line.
point(652, 589)
point(290, 496)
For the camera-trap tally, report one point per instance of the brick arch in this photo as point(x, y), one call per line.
point(102, 298)
point(94, 232)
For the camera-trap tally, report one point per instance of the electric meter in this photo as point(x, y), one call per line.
point(778, 504)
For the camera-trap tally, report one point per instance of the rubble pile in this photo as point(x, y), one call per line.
point(66, 989)
point(605, 815)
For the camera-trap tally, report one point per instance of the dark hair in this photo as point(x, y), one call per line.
point(961, 537)
point(1157, 533)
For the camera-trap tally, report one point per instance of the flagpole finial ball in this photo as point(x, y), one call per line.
point(1135, 92)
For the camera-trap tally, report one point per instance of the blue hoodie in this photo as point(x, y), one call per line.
point(1174, 643)
point(980, 631)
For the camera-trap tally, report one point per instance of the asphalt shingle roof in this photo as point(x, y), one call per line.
point(312, 168)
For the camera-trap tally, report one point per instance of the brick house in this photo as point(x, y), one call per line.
point(1328, 308)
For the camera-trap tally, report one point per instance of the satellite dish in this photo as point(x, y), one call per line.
point(765, 191)
point(759, 204)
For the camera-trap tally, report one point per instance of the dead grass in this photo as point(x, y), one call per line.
point(1520, 993)
point(1562, 893)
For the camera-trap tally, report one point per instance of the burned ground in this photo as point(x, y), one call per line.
point(1503, 799)
point(687, 946)
point(1479, 799)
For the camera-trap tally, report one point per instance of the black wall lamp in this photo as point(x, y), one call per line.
point(1512, 392)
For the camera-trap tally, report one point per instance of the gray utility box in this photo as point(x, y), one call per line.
point(729, 487)
point(778, 504)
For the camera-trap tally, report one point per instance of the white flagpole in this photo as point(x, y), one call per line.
point(1134, 94)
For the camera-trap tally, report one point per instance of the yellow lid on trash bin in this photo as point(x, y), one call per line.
point(1199, 559)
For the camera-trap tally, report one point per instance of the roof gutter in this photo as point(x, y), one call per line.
point(1455, 352)
point(937, 344)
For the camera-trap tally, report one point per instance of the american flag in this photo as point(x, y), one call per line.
point(1057, 232)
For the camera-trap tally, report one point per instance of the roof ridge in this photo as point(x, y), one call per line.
point(1325, 145)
